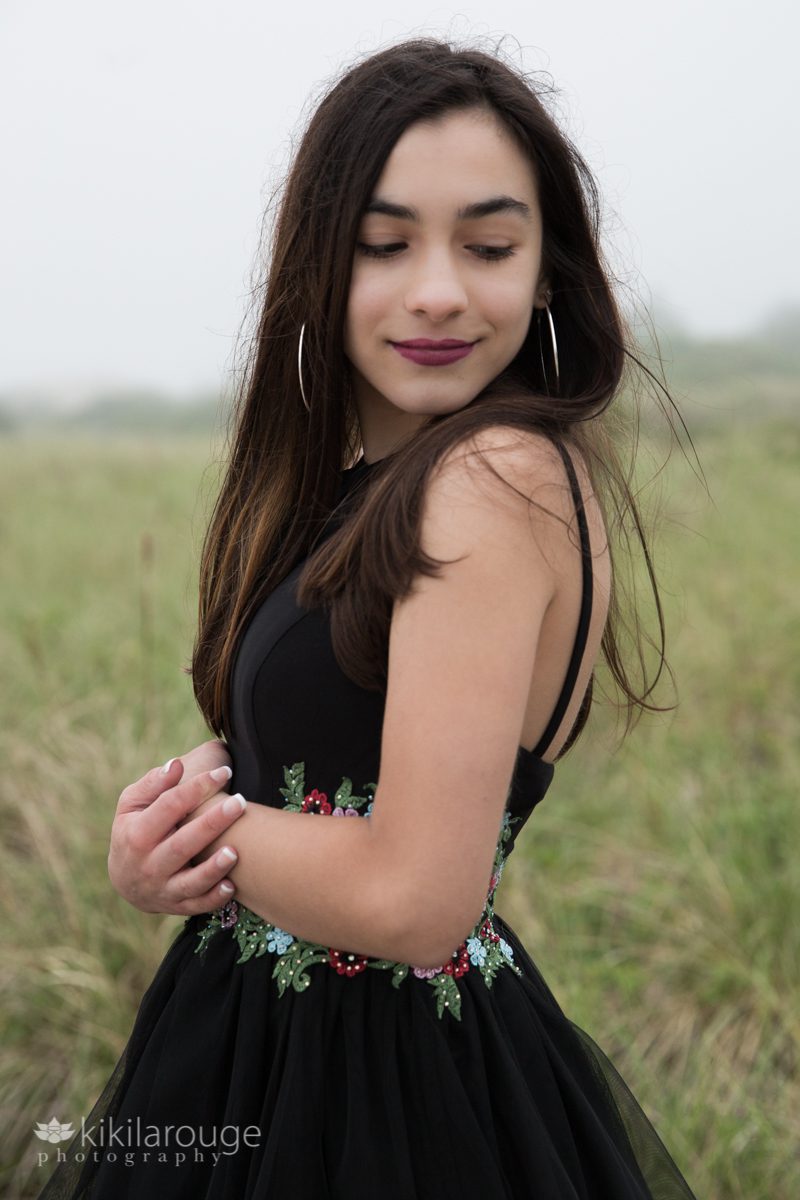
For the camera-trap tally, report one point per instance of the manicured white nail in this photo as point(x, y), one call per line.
point(234, 804)
point(226, 856)
point(166, 766)
point(220, 774)
point(226, 887)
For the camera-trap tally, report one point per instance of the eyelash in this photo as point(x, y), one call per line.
point(497, 253)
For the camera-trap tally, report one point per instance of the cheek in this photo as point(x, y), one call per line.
point(354, 324)
point(366, 304)
point(509, 306)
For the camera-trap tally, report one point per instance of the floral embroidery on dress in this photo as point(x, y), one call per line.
point(483, 949)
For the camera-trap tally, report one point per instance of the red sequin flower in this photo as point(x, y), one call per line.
point(316, 802)
point(459, 962)
point(347, 963)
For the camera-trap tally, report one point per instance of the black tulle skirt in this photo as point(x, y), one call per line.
point(356, 1089)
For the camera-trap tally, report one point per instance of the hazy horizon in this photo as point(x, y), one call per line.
point(140, 147)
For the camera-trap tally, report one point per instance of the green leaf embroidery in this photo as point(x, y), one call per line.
point(290, 967)
point(482, 948)
point(447, 995)
point(207, 932)
point(252, 934)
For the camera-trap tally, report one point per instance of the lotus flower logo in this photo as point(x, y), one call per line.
point(53, 1131)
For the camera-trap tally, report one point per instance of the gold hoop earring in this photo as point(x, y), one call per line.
point(300, 366)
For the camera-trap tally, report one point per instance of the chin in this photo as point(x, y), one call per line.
point(425, 405)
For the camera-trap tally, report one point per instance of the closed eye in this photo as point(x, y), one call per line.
point(380, 251)
point(487, 253)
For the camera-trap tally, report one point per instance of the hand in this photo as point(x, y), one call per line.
point(149, 860)
point(205, 757)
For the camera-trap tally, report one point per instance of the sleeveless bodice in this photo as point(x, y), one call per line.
point(291, 702)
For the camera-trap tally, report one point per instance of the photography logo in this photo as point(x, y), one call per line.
point(132, 1141)
point(54, 1131)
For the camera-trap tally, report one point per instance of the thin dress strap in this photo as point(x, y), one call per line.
point(583, 619)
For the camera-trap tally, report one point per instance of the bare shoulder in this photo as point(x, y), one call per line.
point(522, 458)
point(500, 484)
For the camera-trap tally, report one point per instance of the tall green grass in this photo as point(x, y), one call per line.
point(656, 886)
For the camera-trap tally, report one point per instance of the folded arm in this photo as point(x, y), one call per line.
point(321, 878)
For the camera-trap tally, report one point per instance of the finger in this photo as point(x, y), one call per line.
point(144, 791)
point(208, 879)
point(182, 846)
point(210, 902)
point(155, 823)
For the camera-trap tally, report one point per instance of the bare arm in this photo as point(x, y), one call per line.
point(322, 879)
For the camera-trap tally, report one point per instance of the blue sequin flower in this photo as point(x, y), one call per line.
point(279, 941)
point(477, 953)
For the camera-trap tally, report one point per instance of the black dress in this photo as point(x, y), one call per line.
point(261, 1065)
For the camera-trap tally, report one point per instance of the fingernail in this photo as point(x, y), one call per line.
point(226, 856)
point(226, 887)
point(166, 766)
point(234, 804)
point(220, 773)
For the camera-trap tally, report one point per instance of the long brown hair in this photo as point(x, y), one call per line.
point(284, 463)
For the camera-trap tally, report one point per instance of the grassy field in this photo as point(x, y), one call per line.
point(656, 887)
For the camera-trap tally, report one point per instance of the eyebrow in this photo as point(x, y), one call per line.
point(481, 208)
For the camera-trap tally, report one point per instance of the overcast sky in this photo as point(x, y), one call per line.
point(139, 143)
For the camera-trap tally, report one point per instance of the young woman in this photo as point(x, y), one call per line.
point(405, 586)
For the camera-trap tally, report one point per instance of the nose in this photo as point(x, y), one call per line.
point(435, 290)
